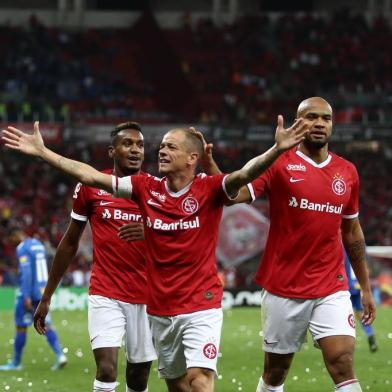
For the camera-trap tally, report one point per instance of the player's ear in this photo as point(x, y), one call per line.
point(110, 151)
point(193, 158)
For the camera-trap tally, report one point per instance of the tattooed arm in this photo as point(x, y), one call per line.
point(33, 144)
point(354, 243)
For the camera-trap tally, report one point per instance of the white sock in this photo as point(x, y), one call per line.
point(263, 387)
point(100, 386)
point(133, 390)
point(348, 386)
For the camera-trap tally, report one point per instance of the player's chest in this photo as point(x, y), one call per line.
point(105, 208)
point(160, 206)
point(327, 184)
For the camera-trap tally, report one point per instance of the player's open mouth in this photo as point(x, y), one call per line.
point(164, 161)
point(133, 159)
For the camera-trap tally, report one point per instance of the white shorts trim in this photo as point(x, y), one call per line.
point(110, 320)
point(286, 320)
point(186, 341)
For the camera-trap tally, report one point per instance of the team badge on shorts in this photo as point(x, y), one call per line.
point(190, 205)
point(210, 351)
point(351, 320)
point(338, 185)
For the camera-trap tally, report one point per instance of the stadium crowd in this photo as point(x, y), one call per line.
point(238, 72)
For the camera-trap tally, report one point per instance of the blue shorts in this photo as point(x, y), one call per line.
point(23, 318)
point(356, 301)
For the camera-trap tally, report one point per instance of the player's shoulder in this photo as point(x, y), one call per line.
point(342, 162)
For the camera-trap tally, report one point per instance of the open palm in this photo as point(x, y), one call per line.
point(30, 144)
point(290, 137)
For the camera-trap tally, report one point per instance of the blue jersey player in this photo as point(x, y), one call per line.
point(33, 276)
point(355, 292)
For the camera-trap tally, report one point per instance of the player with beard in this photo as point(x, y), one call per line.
point(313, 196)
point(181, 214)
point(117, 292)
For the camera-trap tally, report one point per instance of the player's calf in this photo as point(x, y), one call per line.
point(137, 376)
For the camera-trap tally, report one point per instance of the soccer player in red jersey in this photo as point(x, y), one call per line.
point(117, 292)
point(313, 196)
point(181, 214)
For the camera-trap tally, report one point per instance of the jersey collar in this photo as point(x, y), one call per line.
point(312, 162)
point(180, 192)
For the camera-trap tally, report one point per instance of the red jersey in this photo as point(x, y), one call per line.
point(303, 256)
point(119, 267)
point(181, 235)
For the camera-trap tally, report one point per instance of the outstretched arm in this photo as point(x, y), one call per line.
point(284, 138)
point(65, 253)
point(354, 243)
point(33, 145)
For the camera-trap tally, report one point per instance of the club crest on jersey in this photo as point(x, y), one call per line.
point(299, 167)
point(190, 205)
point(338, 185)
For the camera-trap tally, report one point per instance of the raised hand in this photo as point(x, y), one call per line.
point(290, 137)
point(30, 144)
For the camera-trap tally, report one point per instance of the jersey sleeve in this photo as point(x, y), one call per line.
point(81, 205)
point(352, 207)
point(260, 184)
point(25, 271)
point(129, 187)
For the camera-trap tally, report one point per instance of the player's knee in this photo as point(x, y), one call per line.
point(341, 365)
point(106, 371)
point(201, 380)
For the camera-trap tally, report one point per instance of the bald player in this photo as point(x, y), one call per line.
point(313, 196)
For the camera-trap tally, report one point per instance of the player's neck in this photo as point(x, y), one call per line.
point(317, 155)
point(117, 171)
point(178, 181)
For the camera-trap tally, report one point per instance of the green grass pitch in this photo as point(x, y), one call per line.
point(239, 366)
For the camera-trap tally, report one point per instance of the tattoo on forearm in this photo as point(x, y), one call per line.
point(356, 251)
point(67, 165)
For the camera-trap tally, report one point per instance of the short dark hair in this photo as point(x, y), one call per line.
point(127, 125)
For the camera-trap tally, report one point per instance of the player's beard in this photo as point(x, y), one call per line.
point(315, 144)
